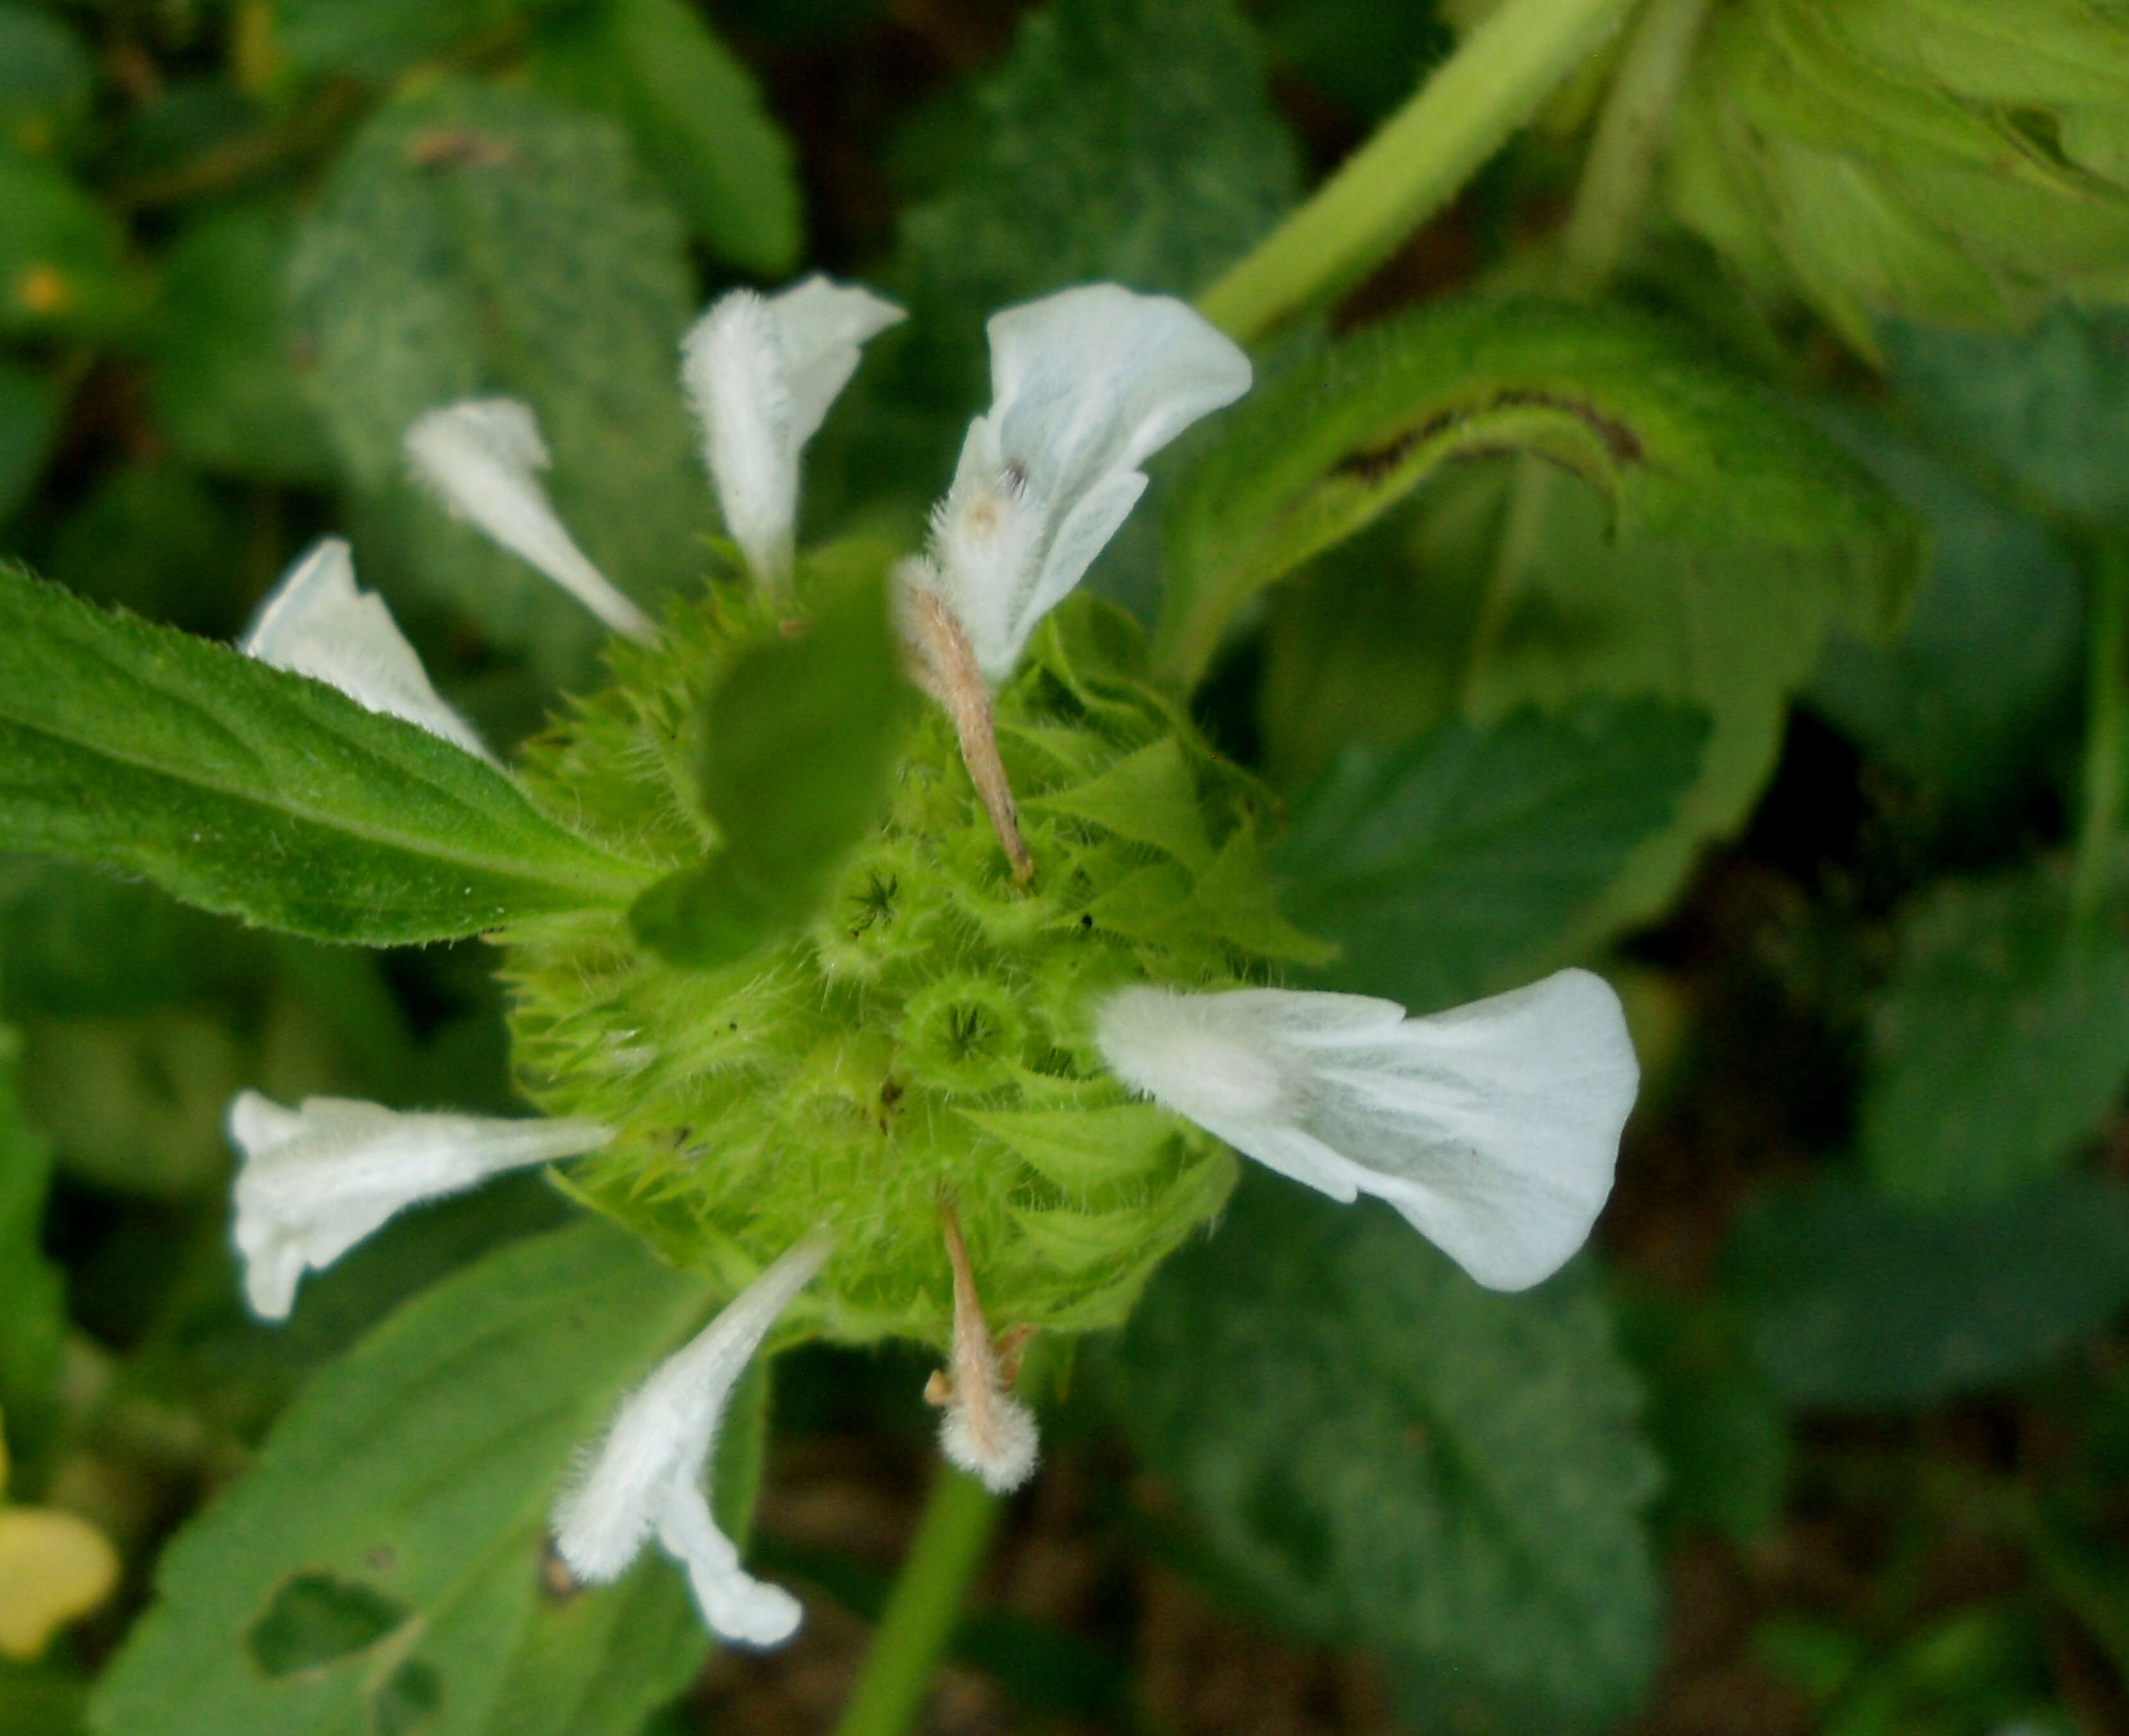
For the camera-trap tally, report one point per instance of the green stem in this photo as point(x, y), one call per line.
point(921, 1609)
point(1608, 203)
point(2107, 724)
point(1630, 134)
point(1423, 153)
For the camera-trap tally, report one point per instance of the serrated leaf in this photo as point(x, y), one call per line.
point(1856, 1302)
point(1961, 698)
point(1675, 448)
point(2002, 1041)
point(2048, 407)
point(259, 794)
point(385, 1556)
point(226, 384)
point(1376, 1450)
point(33, 1300)
point(698, 119)
point(797, 739)
point(479, 241)
point(1445, 868)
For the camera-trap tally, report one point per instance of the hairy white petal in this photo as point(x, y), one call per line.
point(483, 457)
point(819, 326)
point(315, 1180)
point(643, 1480)
point(316, 623)
point(761, 373)
point(1493, 1128)
point(1001, 1453)
point(1086, 385)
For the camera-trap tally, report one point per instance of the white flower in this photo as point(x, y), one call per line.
point(315, 1180)
point(1086, 385)
point(316, 623)
point(1493, 1128)
point(481, 456)
point(761, 372)
point(645, 1478)
point(984, 1429)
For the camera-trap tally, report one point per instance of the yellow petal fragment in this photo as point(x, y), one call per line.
point(53, 1568)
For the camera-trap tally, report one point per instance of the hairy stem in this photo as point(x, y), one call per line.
point(2107, 726)
point(1423, 154)
point(1608, 202)
point(1630, 133)
point(921, 1610)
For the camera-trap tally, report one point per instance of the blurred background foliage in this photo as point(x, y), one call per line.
point(1830, 1432)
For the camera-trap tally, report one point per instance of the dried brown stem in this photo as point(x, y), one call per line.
point(946, 668)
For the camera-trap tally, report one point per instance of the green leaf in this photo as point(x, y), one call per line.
point(35, 1702)
point(226, 384)
point(56, 958)
point(476, 240)
point(1447, 867)
point(697, 117)
point(797, 741)
point(1675, 449)
point(259, 794)
point(2001, 1041)
point(377, 38)
point(1128, 140)
point(33, 1300)
point(1376, 1450)
point(1960, 700)
point(1854, 1301)
point(29, 418)
point(2048, 408)
point(45, 79)
point(383, 1561)
point(62, 272)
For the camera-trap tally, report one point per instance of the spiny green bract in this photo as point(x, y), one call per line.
point(927, 1038)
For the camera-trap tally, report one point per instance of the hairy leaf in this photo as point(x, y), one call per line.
point(385, 1557)
point(1377, 1450)
point(697, 117)
point(2048, 407)
point(2001, 1041)
point(1676, 448)
point(1856, 1302)
point(1444, 867)
point(479, 241)
point(260, 794)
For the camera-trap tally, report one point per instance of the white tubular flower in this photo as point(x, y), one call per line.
point(1086, 385)
point(645, 1478)
point(483, 457)
point(316, 623)
point(761, 371)
point(315, 1180)
point(1493, 1128)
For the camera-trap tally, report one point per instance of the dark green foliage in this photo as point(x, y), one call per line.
point(1375, 1449)
point(695, 115)
point(1447, 867)
point(1853, 1301)
point(2002, 1040)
